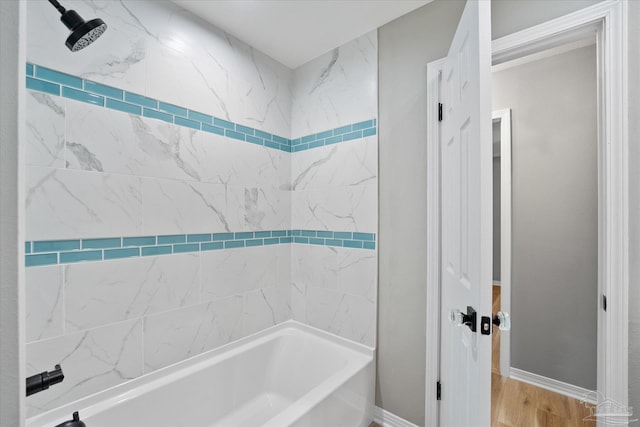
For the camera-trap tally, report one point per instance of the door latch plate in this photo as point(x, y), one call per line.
point(485, 325)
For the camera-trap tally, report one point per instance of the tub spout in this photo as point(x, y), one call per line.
point(42, 381)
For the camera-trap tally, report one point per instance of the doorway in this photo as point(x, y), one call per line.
point(606, 20)
point(545, 263)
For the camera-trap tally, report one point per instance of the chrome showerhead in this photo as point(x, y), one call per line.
point(82, 33)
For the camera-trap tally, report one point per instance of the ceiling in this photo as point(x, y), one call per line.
point(295, 31)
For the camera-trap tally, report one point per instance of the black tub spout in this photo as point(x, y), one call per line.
point(42, 381)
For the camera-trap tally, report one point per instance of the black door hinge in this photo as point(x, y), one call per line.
point(604, 302)
point(439, 112)
point(438, 391)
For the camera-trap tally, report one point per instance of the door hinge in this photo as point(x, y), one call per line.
point(439, 112)
point(438, 391)
point(604, 302)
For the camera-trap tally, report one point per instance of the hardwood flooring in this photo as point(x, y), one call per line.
point(514, 403)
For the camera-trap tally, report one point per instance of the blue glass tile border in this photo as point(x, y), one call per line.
point(54, 82)
point(52, 252)
point(334, 136)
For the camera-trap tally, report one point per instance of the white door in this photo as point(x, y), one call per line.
point(466, 201)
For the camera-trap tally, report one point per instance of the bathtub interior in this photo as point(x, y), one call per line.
point(266, 378)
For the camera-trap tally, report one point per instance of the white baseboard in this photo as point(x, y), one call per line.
point(553, 385)
point(387, 419)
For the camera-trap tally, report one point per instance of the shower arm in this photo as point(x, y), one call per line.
point(58, 6)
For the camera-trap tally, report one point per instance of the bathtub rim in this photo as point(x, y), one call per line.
point(100, 401)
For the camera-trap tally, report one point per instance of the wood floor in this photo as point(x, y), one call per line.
point(514, 403)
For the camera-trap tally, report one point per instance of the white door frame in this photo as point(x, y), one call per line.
point(609, 19)
point(12, 310)
point(504, 117)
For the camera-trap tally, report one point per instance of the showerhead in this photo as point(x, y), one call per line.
point(82, 33)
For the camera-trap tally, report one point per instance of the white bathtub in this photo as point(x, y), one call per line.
point(288, 375)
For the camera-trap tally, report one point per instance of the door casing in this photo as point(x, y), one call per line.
point(504, 118)
point(608, 21)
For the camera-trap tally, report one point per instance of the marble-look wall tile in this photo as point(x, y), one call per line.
point(314, 266)
point(150, 45)
point(74, 204)
point(229, 162)
point(283, 281)
point(263, 308)
point(179, 334)
point(337, 88)
point(335, 188)
point(99, 293)
point(346, 315)
point(266, 209)
point(91, 361)
point(45, 130)
point(235, 271)
point(283, 253)
point(105, 140)
point(44, 302)
point(221, 75)
point(357, 272)
point(348, 164)
point(353, 208)
point(172, 207)
point(211, 87)
point(335, 289)
point(299, 302)
point(116, 59)
point(240, 83)
point(284, 296)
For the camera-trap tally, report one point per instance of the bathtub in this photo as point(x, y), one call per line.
point(288, 375)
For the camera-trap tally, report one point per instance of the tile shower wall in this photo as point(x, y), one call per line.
point(335, 187)
point(157, 49)
point(118, 177)
point(161, 158)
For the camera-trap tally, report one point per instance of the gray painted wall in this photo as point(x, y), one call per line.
point(11, 336)
point(554, 277)
point(406, 45)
